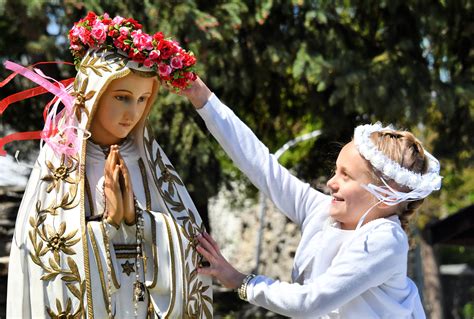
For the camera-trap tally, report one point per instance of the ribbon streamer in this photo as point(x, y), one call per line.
point(57, 88)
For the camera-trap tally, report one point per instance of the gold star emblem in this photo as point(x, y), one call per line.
point(128, 268)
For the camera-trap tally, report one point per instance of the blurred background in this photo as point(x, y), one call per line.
point(286, 68)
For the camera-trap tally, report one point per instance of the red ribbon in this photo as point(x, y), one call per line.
point(23, 95)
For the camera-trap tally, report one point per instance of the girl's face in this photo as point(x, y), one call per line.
point(350, 201)
point(120, 108)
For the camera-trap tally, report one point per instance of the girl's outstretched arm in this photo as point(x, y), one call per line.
point(296, 199)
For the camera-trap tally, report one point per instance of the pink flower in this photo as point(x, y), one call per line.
point(177, 62)
point(148, 63)
point(164, 69)
point(154, 54)
point(190, 76)
point(124, 31)
point(142, 41)
point(84, 34)
point(117, 20)
point(74, 31)
point(99, 32)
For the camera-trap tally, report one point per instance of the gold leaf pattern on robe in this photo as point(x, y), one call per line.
point(198, 304)
point(61, 173)
point(81, 97)
point(50, 244)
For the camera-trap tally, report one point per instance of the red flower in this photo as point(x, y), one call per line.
point(158, 36)
point(136, 56)
point(176, 62)
point(190, 76)
point(189, 59)
point(167, 49)
point(148, 63)
point(154, 55)
point(106, 19)
point(164, 70)
point(114, 33)
point(134, 23)
point(91, 16)
point(166, 57)
point(181, 83)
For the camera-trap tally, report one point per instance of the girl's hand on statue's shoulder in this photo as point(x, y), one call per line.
point(219, 267)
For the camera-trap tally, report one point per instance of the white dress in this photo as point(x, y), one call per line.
point(336, 274)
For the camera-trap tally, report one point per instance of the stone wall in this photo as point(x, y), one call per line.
point(235, 228)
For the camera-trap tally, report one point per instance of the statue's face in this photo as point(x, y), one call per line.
point(120, 108)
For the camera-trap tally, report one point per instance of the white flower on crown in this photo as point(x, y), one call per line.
point(420, 185)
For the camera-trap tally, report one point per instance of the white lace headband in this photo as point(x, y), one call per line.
point(421, 185)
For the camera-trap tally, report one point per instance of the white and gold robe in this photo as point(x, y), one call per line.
point(59, 257)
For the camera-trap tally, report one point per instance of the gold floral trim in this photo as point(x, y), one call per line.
point(99, 265)
point(87, 186)
point(185, 271)
point(145, 183)
point(107, 251)
point(173, 270)
point(47, 240)
point(91, 63)
point(81, 97)
point(154, 251)
point(59, 174)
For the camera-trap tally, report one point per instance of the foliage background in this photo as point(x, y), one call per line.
point(287, 68)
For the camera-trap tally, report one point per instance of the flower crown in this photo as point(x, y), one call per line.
point(172, 63)
point(421, 185)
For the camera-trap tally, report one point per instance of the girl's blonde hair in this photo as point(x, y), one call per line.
point(405, 149)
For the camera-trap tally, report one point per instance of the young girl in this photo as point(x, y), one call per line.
point(352, 258)
point(106, 227)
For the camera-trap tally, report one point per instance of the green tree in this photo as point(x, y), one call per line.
point(288, 67)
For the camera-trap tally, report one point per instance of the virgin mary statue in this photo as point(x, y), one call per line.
point(106, 228)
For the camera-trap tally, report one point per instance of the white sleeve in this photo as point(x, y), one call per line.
point(292, 196)
point(368, 262)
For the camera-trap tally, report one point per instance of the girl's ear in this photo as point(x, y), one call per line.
point(389, 210)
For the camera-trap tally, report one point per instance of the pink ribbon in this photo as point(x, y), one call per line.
point(60, 130)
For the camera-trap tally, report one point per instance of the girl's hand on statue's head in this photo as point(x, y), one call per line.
point(219, 267)
point(197, 94)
